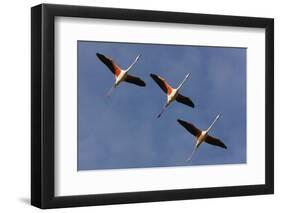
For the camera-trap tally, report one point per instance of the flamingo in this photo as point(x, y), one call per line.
point(120, 75)
point(202, 136)
point(172, 94)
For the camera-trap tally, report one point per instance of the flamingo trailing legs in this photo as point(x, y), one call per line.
point(172, 94)
point(202, 136)
point(120, 75)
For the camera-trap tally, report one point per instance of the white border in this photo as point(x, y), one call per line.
point(70, 182)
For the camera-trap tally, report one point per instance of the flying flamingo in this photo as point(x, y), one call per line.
point(202, 136)
point(120, 75)
point(172, 94)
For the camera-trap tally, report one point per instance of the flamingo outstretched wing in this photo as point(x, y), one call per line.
point(190, 127)
point(134, 80)
point(110, 64)
point(215, 141)
point(185, 100)
point(162, 84)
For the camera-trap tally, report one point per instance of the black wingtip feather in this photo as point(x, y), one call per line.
point(153, 75)
point(99, 55)
point(142, 85)
point(180, 121)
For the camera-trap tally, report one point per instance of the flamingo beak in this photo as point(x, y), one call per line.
point(218, 116)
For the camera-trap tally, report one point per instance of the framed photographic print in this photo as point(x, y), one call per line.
point(139, 106)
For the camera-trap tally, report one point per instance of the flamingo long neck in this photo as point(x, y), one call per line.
point(137, 58)
point(186, 77)
point(213, 123)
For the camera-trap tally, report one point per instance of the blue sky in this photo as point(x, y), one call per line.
point(122, 131)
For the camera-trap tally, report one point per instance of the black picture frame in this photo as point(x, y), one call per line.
point(43, 111)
